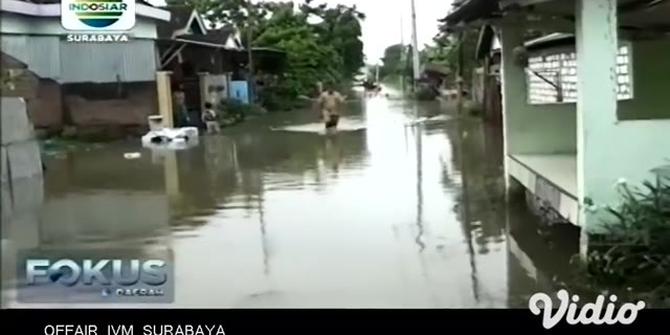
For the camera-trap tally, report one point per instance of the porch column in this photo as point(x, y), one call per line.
point(597, 45)
point(164, 90)
point(204, 89)
point(513, 92)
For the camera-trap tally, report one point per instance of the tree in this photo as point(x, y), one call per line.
point(340, 27)
point(330, 50)
point(395, 61)
point(309, 60)
point(446, 49)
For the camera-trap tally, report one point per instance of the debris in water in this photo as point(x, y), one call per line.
point(169, 135)
point(132, 155)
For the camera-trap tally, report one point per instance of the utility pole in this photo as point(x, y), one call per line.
point(403, 79)
point(250, 55)
point(415, 49)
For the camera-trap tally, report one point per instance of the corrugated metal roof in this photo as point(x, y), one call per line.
point(107, 62)
point(40, 53)
point(50, 57)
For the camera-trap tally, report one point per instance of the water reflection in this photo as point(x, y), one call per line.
point(390, 212)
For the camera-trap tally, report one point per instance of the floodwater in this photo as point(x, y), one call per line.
point(403, 208)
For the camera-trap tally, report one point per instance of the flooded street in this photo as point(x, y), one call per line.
point(388, 213)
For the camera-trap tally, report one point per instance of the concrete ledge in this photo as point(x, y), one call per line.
point(4, 167)
point(547, 189)
point(23, 230)
point(24, 160)
point(15, 124)
point(27, 195)
point(6, 203)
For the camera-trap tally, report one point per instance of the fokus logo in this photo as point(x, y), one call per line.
point(98, 15)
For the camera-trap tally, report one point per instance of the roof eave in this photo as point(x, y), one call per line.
point(471, 12)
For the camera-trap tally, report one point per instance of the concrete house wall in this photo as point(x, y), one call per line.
point(612, 140)
point(532, 129)
point(555, 125)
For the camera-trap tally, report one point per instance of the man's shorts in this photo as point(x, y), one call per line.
point(333, 121)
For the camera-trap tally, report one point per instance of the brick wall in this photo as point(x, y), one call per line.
point(111, 104)
point(46, 108)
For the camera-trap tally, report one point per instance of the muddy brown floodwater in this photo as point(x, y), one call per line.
point(390, 212)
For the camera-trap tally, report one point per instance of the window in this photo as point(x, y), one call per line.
point(552, 77)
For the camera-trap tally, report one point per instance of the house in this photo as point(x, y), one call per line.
point(486, 79)
point(210, 64)
point(584, 90)
point(83, 84)
point(197, 57)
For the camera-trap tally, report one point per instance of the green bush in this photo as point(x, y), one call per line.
point(280, 98)
point(634, 260)
point(231, 111)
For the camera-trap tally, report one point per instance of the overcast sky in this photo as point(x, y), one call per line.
point(382, 25)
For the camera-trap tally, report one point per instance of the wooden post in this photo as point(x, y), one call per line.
point(164, 91)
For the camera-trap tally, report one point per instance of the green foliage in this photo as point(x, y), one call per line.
point(309, 61)
point(635, 259)
point(339, 28)
point(447, 49)
point(644, 212)
point(395, 63)
point(329, 50)
point(231, 111)
point(445, 52)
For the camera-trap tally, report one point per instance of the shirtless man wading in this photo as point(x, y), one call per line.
point(329, 103)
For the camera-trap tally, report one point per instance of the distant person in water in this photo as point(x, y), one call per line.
point(329, 104)
point(210, 119)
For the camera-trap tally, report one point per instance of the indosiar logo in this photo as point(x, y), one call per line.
point(98, 15)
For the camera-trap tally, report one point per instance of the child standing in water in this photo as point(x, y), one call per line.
point(209, 118)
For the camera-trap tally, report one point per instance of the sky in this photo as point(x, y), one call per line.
point(382, 27)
